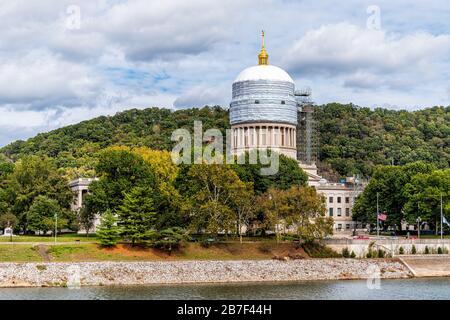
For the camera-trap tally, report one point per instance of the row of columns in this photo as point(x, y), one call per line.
point(264, 136)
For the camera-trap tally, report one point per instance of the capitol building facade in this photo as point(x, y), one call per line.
point(264, 114)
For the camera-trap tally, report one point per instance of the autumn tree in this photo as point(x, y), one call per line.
point(300, 209)
point(213, 191)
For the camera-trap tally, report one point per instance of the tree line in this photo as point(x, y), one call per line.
point(352, 140)
point(405, 193)
point(143, 197)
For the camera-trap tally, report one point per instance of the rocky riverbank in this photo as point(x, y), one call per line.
point(140, 273)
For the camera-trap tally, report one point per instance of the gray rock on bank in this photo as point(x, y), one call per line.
point(174, 272)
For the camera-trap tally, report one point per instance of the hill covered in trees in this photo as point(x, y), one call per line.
point(351, 139)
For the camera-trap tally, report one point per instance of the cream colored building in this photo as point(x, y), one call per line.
point(263, 114)
point(80, 188)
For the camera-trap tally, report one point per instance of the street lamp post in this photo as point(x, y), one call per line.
point(418, 226)
point(378, 222)
point(56, 225)
point(442, 220)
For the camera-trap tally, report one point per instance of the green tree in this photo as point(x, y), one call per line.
point(137, 215)
point(35, 177)
point(289, 173)
point(41, 215)
point(119, 170)
point(8, 220)
point(171, 238)
point(389, 183)
point(86, 219)
point(423, 194)
point(108, 231)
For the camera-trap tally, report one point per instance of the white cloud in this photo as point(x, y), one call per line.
point(202, 95)
point(136, 53)
point(41, 80)
point(346, 48)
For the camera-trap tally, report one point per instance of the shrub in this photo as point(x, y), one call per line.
point(171, 238)
point(370, 254)
point(345, 253)
point(265, 248)
point(381, 253)
point(413, 250)
point(427, 250)
point(401, 250)
point(353, 255)
point(440, 251)
point(317, 250)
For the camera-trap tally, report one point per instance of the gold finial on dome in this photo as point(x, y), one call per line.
point(263, 57)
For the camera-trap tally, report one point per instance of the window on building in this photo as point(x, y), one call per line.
point(347, 226)
point(339, 226)
point(338, 199)
point(283, 102)
point(347, 199)
point(256, 101)
point(330, 211)
point(347, 212)
point(330, 200)
point(339, 212)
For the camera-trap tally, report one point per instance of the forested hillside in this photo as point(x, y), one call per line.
point(352, 139)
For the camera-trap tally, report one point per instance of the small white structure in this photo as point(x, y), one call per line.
point(8, 232)
point(80, 189)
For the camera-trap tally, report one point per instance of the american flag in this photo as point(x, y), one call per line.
point(382, 216)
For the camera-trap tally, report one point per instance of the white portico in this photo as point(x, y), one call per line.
point(80, 187)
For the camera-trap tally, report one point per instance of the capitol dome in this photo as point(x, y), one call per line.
point(263, 109)
point(264, 72)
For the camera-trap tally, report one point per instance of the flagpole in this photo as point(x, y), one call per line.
point(378, 223)
point(442, 221)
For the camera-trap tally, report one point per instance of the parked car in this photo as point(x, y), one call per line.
point(361, 237)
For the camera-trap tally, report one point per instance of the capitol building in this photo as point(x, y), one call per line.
point(265, 113)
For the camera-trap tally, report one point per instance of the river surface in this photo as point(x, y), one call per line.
point(430, 288)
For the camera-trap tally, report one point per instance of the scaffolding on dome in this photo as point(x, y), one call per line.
point(307, 137)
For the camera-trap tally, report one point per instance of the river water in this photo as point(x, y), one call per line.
point(430, 288)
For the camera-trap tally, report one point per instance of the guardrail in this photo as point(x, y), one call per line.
point(385, 241)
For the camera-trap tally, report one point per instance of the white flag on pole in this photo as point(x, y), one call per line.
point(445, 221)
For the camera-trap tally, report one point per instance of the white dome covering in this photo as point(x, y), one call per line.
point(264, 72)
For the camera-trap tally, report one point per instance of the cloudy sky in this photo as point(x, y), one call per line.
point(62, 62)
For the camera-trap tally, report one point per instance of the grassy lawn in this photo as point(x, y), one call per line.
point(191, 251)
point(19, 253)
point(124, 252)
point(60, 238)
